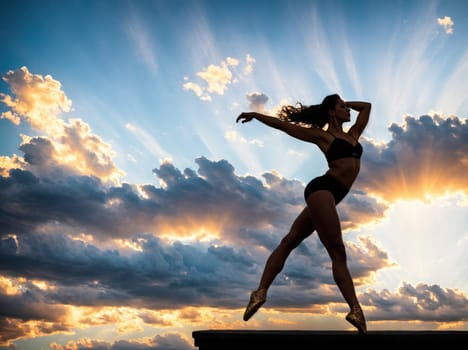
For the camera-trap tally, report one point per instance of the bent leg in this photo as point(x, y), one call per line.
point(301, 228)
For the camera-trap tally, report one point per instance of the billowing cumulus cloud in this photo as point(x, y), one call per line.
point(424, 302)
point(40, 101)
point(426, 157)
point(188, 202)
point(7, 163)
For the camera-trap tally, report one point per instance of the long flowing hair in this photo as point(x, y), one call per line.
point(313, 115)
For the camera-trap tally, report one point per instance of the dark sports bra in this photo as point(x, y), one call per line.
point(340, 148)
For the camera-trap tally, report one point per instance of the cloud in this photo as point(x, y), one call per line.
point(426, 157)
point(8, 163)
point(423, 302)
point(30, 306)
point(157, 276)
point(39, 100)
point(447, 23)
point(168, 341)
point(217, 78)
point(162, 276)
point(358, 208)
point(48, 214)
point(188, 202)
point(257, 101)
point(197, 89)
point(28, 314)
point(72, 145)
point(31, 201)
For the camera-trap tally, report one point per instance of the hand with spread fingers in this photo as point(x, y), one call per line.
point(245, 117)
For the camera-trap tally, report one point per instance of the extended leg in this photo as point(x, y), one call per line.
point(301, 228)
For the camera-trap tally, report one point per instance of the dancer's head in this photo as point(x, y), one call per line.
point(314, 115)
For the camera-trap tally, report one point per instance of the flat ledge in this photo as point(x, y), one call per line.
point(299, 339)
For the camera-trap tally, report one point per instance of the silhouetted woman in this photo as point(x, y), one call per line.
point(343, 152)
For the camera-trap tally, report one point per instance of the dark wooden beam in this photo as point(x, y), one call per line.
point(292, 340)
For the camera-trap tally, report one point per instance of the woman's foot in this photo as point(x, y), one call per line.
point(257, 299)
point(357, 319)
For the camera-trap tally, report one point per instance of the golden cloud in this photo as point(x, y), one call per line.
point(217, 77)
point(8, 163)
point(447, 23)
point(426, 158)
point(39, 101)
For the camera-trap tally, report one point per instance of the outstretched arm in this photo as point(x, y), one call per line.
point(363, 109)
point(314, 135)
point(265, 119)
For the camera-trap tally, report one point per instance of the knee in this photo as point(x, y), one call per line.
point(337, 252)
point(289, 242)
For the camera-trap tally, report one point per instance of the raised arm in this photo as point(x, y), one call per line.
point(363, 109)
point(314, 135)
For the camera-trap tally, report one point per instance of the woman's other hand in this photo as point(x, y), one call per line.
point(245, 117)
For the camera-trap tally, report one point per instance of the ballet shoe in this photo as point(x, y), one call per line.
point(356, 318)
point(257, 299)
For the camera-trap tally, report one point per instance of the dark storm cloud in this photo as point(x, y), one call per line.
point(215, 195)
point(28, 201)
point(159, 275)
point(39, 152)
point(31, 305)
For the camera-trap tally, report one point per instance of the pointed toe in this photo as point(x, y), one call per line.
point(357, 319)
point(257, 299)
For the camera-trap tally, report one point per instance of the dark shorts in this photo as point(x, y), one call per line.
point(327, 183)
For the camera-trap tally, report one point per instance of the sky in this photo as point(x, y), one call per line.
point(134, 210)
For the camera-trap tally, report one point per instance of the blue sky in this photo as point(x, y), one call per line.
point(135, 210)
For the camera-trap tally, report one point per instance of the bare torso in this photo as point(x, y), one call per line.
point(344, 170)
